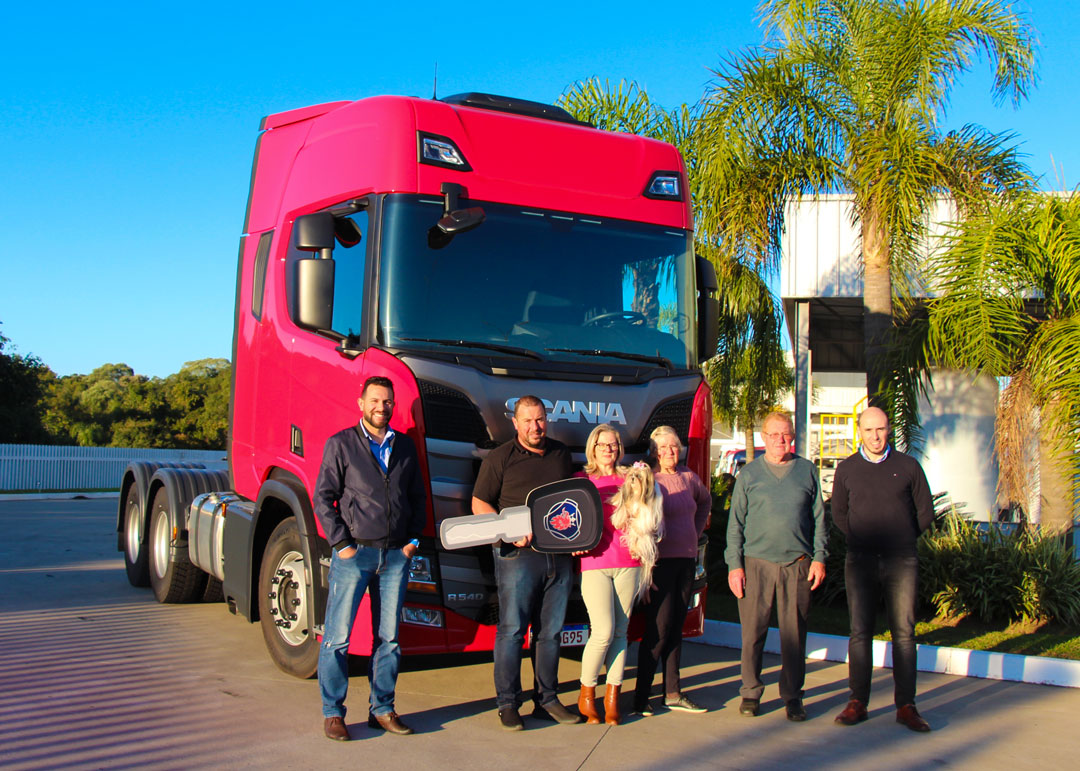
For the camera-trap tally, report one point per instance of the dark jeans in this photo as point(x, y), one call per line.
point(869, 578)
point(533, 588)
point(661, 639)
point(769, 583)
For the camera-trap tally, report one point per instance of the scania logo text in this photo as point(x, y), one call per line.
point(577, 412)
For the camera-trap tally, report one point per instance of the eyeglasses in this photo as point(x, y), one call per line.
point(612, 446)
point(781, 435)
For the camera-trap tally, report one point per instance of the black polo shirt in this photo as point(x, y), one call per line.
point(510, 472)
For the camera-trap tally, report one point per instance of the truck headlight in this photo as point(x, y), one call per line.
point(421, 578)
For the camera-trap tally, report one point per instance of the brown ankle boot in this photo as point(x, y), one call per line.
point(611, 704)
point(586, 704)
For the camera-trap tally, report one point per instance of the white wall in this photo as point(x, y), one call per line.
point(958, 428)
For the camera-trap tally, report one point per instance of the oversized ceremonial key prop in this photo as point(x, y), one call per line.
point(562, 517)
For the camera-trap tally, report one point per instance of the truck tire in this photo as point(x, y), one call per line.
point(284, 602)
point(214, 591)
point(136, 557)
point(171, 581)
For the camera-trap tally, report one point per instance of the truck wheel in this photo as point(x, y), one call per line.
point(172, 581)
point(136, 559)
point(284, 598)
point(214, 591)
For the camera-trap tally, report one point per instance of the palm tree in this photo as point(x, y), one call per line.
point(857, 88)
point(737, 212)
point(1008, 304)
point(749, 375)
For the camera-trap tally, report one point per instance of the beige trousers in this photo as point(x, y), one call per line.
point(609, 597)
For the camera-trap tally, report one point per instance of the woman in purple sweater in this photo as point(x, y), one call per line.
point(687, 503)
point(612, 573)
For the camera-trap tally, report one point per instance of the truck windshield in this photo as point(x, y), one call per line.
point(562, 286)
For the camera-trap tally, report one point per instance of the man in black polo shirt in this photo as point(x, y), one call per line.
point(532, 586)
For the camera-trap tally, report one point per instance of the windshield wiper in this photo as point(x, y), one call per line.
point(511, 349)
point(665, 362)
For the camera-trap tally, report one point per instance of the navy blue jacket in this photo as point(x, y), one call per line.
point(355, 500)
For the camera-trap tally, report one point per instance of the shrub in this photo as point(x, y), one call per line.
point(998, 575)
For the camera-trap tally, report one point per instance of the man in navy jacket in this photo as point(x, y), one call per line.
point(371, 503)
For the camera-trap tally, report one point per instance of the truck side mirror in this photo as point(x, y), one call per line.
point(315, 293)
point(708, 309)
point(452, 223)
point(315, 233)
point(315, 275)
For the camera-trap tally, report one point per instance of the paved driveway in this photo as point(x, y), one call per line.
point(95, 674)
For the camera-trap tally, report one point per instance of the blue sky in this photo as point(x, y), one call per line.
point(127, 133)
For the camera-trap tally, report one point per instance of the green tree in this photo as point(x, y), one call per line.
point(857, 89)
point(198, 397)
point(749, 375)
point(1008, 304)
point(23, 380)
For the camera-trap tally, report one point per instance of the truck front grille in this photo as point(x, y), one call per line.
point(449, 414)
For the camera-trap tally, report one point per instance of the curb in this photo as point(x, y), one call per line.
point(1038, 670)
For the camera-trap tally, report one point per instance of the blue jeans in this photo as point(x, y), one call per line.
point(386, 572)
point(869, 578)
point(533, 588)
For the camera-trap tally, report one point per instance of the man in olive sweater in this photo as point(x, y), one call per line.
point(775, 553)
point(881, 502)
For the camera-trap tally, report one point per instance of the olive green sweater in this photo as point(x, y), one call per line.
point(776, 519)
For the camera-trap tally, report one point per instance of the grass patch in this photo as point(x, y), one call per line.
point(1029, 639)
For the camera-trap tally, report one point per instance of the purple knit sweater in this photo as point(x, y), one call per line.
point(686, 510)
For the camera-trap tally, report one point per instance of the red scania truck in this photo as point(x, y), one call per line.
point(473, 249)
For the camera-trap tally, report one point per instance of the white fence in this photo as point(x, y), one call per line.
point(30, 467)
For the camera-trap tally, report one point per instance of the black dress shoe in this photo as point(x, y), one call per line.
point(795, 711)
point(557, 712)
point(749, 707)
point(334, 728)
point(389, 722)
point(511, 719)
point(643, 708)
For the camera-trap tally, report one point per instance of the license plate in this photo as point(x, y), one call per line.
point(575, 635)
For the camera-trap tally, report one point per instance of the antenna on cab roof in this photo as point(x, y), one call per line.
point(435, 83)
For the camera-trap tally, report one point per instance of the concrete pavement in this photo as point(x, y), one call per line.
point(95, 674)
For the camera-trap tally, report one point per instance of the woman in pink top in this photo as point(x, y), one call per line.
point(611, 574)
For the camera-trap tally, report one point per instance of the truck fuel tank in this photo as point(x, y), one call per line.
point(206, 529)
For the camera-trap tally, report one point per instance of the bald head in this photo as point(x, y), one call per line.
point(874, 432)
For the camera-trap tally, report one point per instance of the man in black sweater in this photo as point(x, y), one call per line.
point(881, 502)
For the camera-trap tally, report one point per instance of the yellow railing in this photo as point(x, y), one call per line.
point(838, 435)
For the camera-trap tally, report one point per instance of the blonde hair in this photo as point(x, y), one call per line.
point(779, 415)
point(593, 440)
point(639, 517)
